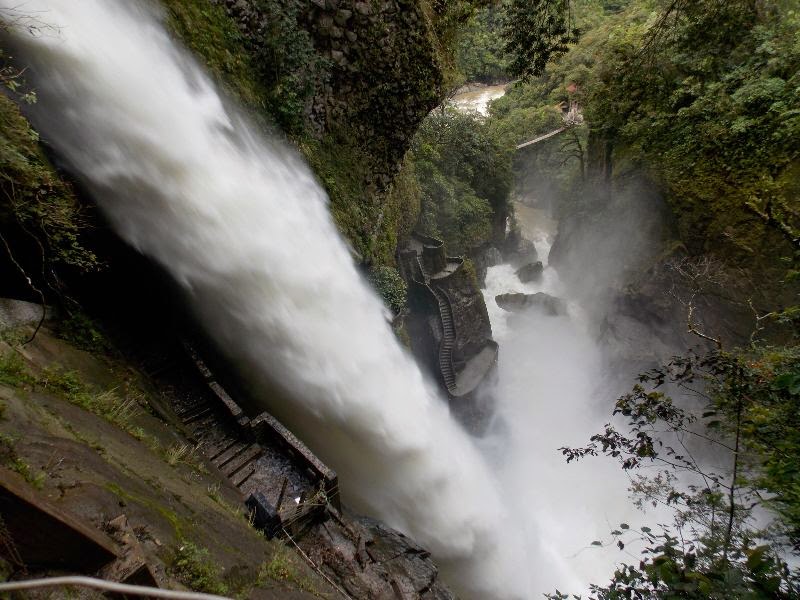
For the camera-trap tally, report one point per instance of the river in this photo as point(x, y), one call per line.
point(477, 98)
point(552, 391)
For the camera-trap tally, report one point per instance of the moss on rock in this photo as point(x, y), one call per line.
point(41, 219)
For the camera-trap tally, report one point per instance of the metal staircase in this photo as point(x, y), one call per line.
point(448, 340)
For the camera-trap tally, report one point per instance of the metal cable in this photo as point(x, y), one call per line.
point(108, 586)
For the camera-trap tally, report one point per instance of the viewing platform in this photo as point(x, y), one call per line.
point(451, 331)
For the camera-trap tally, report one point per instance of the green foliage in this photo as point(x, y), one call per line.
point(118, 408)
point(273, 72)
point(705, 97)
point(195, 568)
point(341, 167)
point(13, 371)
point(698, 98)
point(109, 404)
point(27, 472)
point(713, 549)
point(465, 178)
point(553, 171)
point(390, 286)
point(282, 567)
point(448, 18)
point(208, 31)
point(770, 385)
point(83, 332)
point(15, 336)
point(40, 217)
point(480, 53)
point(287, 64)
point(10, 459)
point(535, 32)
point(12, 78)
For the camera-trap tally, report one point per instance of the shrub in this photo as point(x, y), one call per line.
point(390, 286)
point(194, 567)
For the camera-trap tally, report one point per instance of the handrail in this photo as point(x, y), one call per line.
point(421, 271)
point(108, 586)
point(426, 239)
point(541, 138)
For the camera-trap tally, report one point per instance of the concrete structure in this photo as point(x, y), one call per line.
point(282, 482)
point(36, 534)
point(448, 326)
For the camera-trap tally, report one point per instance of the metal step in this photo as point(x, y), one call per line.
point(190, 413)
point(197, 415)
point(240, 478)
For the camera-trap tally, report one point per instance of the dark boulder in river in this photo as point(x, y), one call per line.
point(548, 304)
point(530, 272)
point(518, 250)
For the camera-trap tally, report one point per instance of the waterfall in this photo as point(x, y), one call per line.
point(242, 225)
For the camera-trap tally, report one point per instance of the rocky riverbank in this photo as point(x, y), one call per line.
point(103, 440)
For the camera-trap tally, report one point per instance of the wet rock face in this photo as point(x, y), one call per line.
point(15, 313)
point(379, 75)
point(483, 259)
point(470, 316)
point(371, 561)
point(518, 250)
point(531, 272)
point(549, 305)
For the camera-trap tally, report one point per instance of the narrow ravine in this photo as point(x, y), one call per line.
point(551, 393)
point(243, 226)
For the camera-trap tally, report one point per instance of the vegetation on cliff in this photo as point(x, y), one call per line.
point(699, 100)
point(42, 223)
point(348, 83)
point(465, 178)
point(480, 54)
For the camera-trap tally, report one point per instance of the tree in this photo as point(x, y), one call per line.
point(536, 31)
point(714, 548)
point(465, 178)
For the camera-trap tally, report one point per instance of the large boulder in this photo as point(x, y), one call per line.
point(530, 272)
point(516, 302)
point(16, 313)
point(519, 250)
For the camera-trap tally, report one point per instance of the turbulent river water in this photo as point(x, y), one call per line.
point(552, 392)
point(478, 99)
point(243, 226)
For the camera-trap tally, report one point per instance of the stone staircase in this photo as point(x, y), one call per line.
point(448, 340)
point(281, 481)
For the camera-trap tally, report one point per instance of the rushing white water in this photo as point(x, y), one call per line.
point(550, 394)
point(478, 100)
point(242, 225)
